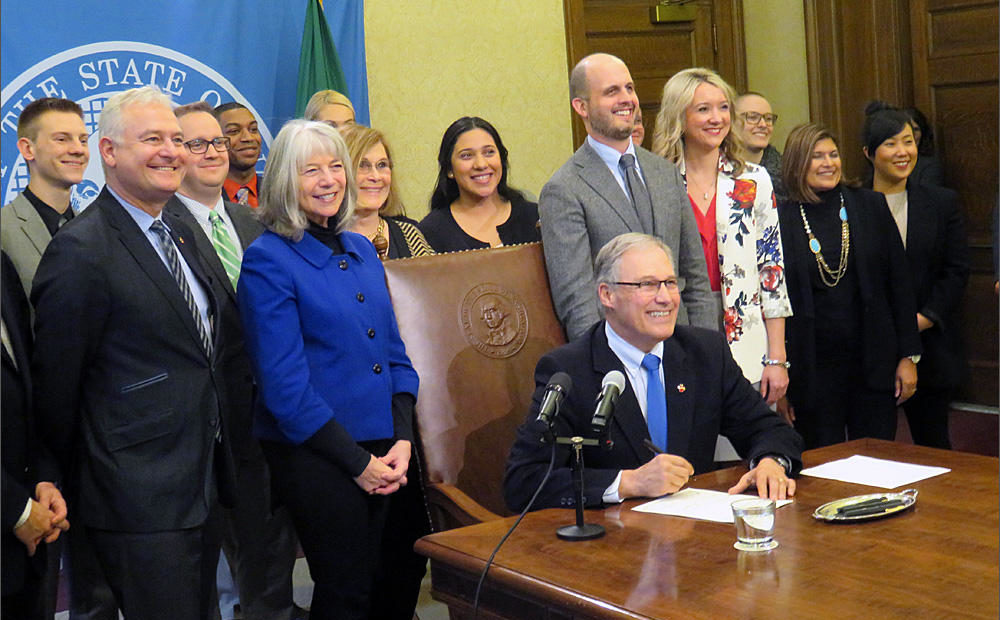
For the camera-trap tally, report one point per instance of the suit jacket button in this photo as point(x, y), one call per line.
point(377, 368)
point(371, 332)
point(343, 265)
point(213, 422)
point(361, 297)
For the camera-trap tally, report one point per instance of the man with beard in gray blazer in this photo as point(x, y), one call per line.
point(610, 187)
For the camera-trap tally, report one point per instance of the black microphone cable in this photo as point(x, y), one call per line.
point(531, 502)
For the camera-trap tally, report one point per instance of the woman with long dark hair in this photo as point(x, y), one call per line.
point(852, 340)
point(472, 206)
point(932, 230)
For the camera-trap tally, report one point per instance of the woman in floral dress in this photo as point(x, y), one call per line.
point(733, 202)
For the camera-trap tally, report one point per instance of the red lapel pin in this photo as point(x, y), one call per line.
point(681, 388)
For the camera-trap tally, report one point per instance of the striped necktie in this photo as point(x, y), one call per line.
point(174, 263)
point(225, 248)
point(656, 402)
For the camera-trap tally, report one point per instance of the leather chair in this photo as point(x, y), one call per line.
point(475, 324)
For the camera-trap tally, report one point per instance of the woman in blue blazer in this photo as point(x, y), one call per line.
point(932, 229)
point(337, 390)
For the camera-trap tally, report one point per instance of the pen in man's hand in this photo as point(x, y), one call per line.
point(652, 446)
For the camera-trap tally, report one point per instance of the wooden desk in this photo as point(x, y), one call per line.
point(937, 560)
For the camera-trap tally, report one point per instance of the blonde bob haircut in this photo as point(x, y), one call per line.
point(323, 98)
point(678, 93)
point(360, 140)
point(298, 141)
point(797, 159)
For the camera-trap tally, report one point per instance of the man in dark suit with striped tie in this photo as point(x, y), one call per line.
point(128, 383)
point(260, 545)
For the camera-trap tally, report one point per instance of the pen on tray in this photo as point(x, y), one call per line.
point(872, 510)
point(871, 502)
point(652, 446)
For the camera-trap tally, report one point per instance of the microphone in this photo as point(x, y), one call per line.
point(559, 386)
point(611, 387)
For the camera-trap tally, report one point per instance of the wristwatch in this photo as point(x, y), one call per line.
point(784, 462)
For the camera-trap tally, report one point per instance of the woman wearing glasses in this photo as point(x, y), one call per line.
point(379, 214)
point(755, 123)
point(853, 340)
point(734, 206)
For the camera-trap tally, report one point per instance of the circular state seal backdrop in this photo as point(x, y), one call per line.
point(89, 75)
point(494, 321)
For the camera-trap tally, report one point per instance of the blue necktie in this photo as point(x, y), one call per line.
point(656, 402)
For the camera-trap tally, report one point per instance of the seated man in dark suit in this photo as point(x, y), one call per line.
point(705, 395)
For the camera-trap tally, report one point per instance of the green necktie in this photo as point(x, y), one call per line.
point(224, 247)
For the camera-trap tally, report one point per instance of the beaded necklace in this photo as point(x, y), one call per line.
point(379, 241)
point(830, 277)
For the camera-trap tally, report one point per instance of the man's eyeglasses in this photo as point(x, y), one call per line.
point(755, 117)
point(649, 288)
point(199, 146)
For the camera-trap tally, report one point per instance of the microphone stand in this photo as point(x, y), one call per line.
point(578, 530)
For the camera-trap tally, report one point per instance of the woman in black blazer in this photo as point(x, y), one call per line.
point(852, 340)
point(933, 233)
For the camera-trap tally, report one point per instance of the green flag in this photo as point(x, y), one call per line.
point(319, 66)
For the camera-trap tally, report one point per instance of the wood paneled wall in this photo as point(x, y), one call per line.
point(940, 55)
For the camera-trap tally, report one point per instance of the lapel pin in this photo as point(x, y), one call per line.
point(681, 388)
point(181, 239)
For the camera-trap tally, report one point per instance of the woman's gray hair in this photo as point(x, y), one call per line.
point(607, 265)
point(297, 141)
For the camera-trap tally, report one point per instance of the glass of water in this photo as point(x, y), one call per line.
point(754, 524)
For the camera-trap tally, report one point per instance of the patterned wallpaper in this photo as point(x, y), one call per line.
point(432, 62)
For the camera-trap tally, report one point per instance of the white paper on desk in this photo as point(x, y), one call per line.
point(874, 472)
point(699, 504)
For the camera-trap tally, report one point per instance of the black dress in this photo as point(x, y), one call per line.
point(845, 341)
point(445, 235)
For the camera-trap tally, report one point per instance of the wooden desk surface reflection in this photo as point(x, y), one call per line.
point(937, 560)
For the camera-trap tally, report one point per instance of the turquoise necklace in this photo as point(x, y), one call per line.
point(830, 277)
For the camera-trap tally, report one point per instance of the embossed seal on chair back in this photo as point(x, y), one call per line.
point(475, 324)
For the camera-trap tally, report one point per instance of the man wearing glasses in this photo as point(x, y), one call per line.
point(260, 546)
point(755, 122)
point(683, 389)
point(242, 184)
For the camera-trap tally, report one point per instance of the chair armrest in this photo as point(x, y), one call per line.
point(452, 508)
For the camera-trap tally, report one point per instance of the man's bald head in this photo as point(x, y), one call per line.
point(579, 84)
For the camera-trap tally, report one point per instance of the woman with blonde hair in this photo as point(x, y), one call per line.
point(379, 214)
point(733, 204)
point(330, 107)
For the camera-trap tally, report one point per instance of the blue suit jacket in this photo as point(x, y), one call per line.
point(322, 336)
